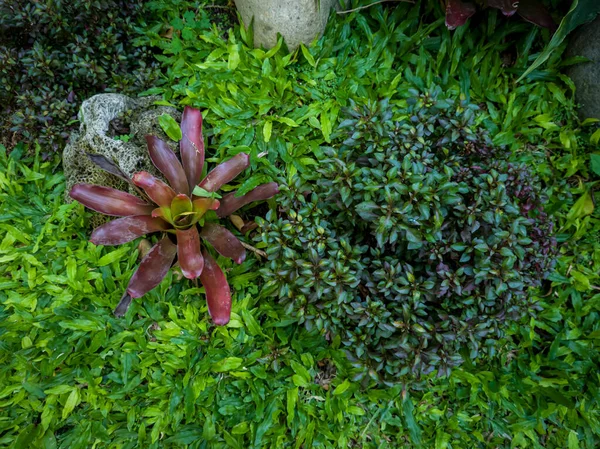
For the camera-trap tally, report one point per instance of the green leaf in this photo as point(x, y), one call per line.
point(573, 442)
point(595, 138)
point(292, 400)
point(582, 207)
point(72, 402)
point(299, 381)
point(26, 437)
point(595, 163)
point(170, 127)
point(240, 428)
point(582, 11)
point(413, 428)
point(267, 129)
point(341, 388)
point(251, 323)
point(326, 126)
point(113, 256)
point(234, 57)
point(307, 55)
point(227, 364)
point(199, 191)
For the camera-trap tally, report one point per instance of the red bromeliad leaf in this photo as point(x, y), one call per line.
point(123, 305)
point(225, 172)
point(126, 229)
point(109, 201)
point(224, 242)
point(230, 203)
point(153, 268)
point(457, 13)
point(181, 210)
point(191, 146)
point(534, 12)
point(188, 252)
point(165, 160)
point(508, 7)
point(158, 191)
point(218, 294)
point(203, 205)
point(164, 213)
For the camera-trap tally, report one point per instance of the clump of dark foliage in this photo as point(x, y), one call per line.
point(55, 54)
point(419, 243)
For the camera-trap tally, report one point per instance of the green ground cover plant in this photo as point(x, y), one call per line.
point(164, 377)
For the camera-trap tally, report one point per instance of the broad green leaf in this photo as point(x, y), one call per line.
point(595, 162)
point(268, 127)
point(227, 364)
point(26, 437)
point(113, 256)
point(251, 323)
point(203, 193)
point(326, 126)
point(170, 127)
point(72, 402)
point(573, 442)
point(234, 57)
point(582, 11)
point(341, 388)
point(307, 55)
point(292, 400)
point(582, 207)
point(595, 138)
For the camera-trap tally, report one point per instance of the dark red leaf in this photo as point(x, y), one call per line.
point(108, 166)
point(225, 172)
point(188, 252)
point(508, 7)
point(230, 203)
point(458, 12)
point(224, 242)
point(158, 191)
point(534, 12)
point(153, 268)
point(126, 229)
point(218, 294)
point(191, 146)
point(109, 201)
point(123, 305)
point(166, 161)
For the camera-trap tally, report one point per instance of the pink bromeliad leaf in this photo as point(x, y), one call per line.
point(458, 12)
point(189, 253)
point(126, 229)
point(230, 203)
point(157, 191)
point(224, 242)
point(225, 172)
point(218, 294)
point(153, 268)
point(166, 161)
point(191, 146)
point(109, 201)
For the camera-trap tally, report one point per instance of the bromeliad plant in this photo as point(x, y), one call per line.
point(184, 212)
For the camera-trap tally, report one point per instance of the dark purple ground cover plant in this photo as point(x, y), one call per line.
point(185, 211)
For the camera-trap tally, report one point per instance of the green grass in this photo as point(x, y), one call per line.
point(73, 376)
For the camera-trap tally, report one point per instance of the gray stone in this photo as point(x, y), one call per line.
point(298, 21)
point(94, 137)
point(586, 76)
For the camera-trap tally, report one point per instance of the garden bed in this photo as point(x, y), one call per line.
point(73, 375)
